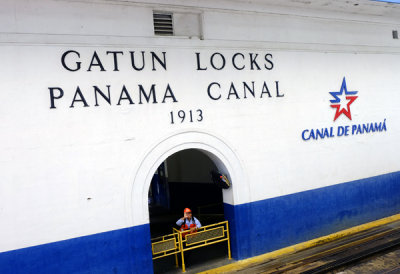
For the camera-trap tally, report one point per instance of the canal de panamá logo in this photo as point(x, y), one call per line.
point(343, 100)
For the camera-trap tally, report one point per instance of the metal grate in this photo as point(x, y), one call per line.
point(395, 34)
point(204, 236)
point(163, 23)
point(164, 246)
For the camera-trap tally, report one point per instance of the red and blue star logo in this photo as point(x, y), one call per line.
point(342, 101)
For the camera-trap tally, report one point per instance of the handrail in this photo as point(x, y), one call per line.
point(181, 241)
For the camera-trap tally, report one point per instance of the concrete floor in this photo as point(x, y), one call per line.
point(196, 260)
point(384, 263)
point(388, 262)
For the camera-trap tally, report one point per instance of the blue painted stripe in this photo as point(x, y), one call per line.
point(120, 251)
point(388, 1)
point(256, 228)
point(268, 225)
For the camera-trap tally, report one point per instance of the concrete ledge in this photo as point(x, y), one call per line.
point(301, 246)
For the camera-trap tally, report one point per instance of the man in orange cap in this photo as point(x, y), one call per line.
point(188, 221)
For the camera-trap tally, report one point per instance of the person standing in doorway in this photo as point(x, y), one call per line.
point(188, 221)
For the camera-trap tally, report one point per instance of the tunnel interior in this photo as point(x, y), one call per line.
point(182, 181)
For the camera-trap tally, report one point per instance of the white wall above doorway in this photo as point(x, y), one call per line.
point(215, 148)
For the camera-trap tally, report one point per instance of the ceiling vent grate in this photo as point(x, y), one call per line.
point(163, 23)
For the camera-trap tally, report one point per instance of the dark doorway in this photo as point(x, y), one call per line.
point(184, 180)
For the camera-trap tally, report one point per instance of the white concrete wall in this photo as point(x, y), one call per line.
point(66, 172)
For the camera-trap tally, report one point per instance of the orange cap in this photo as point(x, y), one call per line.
point(187, 210)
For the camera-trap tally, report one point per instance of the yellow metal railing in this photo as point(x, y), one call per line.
point(165, 246)
point(181, 241)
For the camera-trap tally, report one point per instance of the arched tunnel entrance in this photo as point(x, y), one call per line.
point(223, 157)
point(184, 180)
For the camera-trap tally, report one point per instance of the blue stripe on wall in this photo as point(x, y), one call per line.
point(120, 251)
point(255, 228)
point(388, 1)
point(268, 225)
